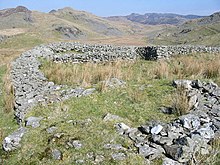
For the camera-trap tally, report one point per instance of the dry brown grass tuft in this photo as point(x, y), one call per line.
point(8, 55)
point(212, 69)
point(8, 93)
point(193, 67)
point(161, 71)
point(85, 74)
point(180, 101)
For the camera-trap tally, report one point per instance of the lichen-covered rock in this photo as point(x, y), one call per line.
point(12, 142)
point(122, 128)
point(119, 156)
point(156, 129)
point(110, 117)
point(56, 154)
point(75, 144)
point(34, 122)
point(114, 83)
point(151, 152)
point(51, 130)
point(183, 83)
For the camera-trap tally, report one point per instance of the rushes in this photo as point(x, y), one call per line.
point(180, 101)
point(192, 67)
point(212, 69)
point(84, 74)
point(162, 70)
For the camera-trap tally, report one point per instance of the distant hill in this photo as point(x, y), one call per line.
point(33, 27)
point(88, 22)
point(156, 18)
point(70, 24)
point(214, 18)
point(15, 17)
point(203, 31)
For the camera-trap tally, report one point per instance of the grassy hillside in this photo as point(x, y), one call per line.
point(68, 24)
point(203, 31)
point(71, 25)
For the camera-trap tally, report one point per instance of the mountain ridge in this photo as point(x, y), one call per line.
point(157, 18)
point(70, 24)
point(204, 31)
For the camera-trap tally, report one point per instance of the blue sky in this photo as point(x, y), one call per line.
point(121, 7)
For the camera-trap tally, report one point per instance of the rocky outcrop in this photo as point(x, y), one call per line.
point(19, 17)
point(69, 32)
point(18, 9)
point(186, 136)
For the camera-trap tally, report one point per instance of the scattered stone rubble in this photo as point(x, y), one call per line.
point(180, 140)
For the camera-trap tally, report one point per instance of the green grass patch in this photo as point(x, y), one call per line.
point(21, 41)
point(7, 122)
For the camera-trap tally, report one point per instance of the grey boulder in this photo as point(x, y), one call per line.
point(118, 156)
point(12, 142)
point(34, 122)
point(56, 154)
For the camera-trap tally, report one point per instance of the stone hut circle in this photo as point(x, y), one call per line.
point(177, 141)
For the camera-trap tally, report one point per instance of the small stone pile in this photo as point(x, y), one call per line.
point(180, 140)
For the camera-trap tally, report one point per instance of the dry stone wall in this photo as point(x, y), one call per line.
point(175, 140)
point(189, 135)
point(32, 87)
point(164, 52)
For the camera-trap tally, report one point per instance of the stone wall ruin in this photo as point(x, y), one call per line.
point(165, 52)
point(201, 125)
